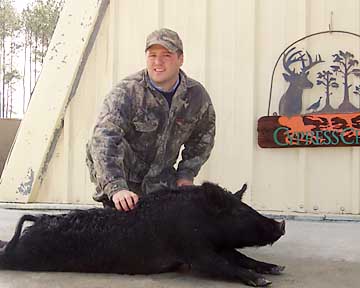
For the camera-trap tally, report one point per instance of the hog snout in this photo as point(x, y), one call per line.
point(282, 227)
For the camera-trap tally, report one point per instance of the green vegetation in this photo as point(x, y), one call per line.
point(24, 40)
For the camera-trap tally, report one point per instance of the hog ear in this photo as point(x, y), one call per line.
point(239, 194)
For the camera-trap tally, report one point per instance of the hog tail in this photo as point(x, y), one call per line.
point(14, 240)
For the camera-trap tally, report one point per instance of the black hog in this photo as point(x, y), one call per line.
point(199, 226)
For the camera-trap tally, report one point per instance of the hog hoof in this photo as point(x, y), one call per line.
point(277, 270)
point(260, 282)
point(270, 269)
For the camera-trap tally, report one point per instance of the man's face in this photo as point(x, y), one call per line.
point(163, 66)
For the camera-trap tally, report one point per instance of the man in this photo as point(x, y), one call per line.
point(144, 122)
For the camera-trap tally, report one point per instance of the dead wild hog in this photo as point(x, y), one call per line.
point(200, 226)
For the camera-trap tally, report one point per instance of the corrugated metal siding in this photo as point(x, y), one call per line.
point(8, 129)
point(231, 47)
point(305, 180)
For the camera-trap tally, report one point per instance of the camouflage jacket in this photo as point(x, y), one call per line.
point(137, 138)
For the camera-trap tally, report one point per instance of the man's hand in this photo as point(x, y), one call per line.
point(125, 200)
point(184, 182)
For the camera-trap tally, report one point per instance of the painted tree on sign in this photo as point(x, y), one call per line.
point(345, 65)
point(325, 78)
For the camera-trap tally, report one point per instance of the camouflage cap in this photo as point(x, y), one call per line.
point(165, 37)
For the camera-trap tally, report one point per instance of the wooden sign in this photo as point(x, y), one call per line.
point(328, 114)
point(312, 130)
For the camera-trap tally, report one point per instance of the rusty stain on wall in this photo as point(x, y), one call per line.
point(51, 150)
point(88, 49)
point(25, 187)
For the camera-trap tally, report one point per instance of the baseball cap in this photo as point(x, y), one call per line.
point(165, 37)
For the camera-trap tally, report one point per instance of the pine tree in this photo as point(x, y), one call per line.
point(9, 27)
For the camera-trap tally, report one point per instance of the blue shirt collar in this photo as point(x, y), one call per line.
point(161, 89)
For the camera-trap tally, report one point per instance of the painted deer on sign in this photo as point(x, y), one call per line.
point(291, 102)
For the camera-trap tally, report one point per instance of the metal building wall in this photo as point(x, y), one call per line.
point(306, 180)
point(8, 128)
point(231, 47)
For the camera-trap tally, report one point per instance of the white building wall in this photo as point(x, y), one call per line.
point(231, 47)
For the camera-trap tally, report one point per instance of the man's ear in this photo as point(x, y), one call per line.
point(181, 59)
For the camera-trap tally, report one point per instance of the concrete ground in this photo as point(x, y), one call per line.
point(316, 254)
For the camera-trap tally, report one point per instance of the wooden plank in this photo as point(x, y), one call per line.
point(57, 84)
